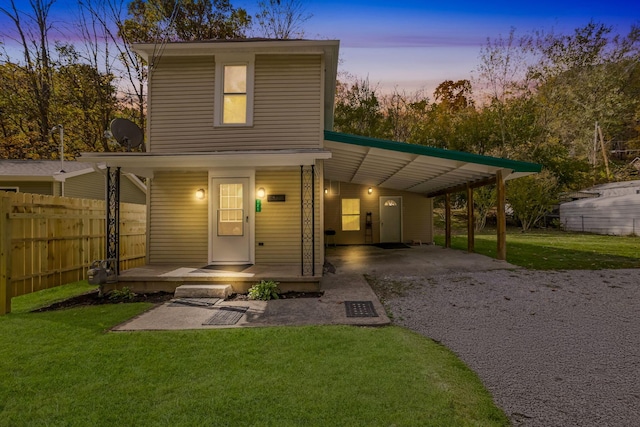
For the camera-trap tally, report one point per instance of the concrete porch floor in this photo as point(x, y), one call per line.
point(153, 278)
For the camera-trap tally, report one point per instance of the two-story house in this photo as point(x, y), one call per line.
point(244, 169)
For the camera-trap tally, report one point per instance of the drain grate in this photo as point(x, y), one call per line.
point(226, 315)
point(194, 302)
point(360, 309)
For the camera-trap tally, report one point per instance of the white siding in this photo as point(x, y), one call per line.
point(287, 106)
point(178, 225)
point(618, 215)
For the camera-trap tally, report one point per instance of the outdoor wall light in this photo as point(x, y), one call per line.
point(260, 193)
point(370, 190)
point(200, 194)
point(326, 190)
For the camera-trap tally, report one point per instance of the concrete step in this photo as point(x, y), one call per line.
point(203, 291)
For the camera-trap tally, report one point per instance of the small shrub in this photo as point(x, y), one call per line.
point(124, 294)
point(264, 291)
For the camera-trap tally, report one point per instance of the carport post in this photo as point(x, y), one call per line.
point(447, 220)
point(501, 227)
point(470, 221)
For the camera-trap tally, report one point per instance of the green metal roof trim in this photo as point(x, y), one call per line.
point(423, 150)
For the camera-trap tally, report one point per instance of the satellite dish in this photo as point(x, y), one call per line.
point(126, 133)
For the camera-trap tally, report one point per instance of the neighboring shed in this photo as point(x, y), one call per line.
point(77, 180)
point(615, 210)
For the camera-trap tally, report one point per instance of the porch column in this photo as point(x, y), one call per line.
point(307, 220)
point(470, 222)
point(112, 252)
point(447, 220)
point(501, 227)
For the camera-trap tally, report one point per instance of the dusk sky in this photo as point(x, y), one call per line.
point(411, 44)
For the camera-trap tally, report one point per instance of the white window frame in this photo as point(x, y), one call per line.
point(233, 59)
point(10, 189)
point(343, 215)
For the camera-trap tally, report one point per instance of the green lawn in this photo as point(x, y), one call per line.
point(64, 368)
point(557, 250)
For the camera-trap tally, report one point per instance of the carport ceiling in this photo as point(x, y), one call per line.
point(411, 167)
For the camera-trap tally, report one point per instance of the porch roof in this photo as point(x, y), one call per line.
point(411, 167)
point(145, 164)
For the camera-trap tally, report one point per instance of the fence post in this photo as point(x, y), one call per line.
point(5, 255)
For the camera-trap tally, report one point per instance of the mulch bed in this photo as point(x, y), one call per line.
point(92, 298)
point(286, 295)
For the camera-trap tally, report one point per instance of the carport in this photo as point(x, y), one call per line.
point(424, 170)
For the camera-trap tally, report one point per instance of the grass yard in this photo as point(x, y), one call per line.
point(64, 368)
point(557, 250)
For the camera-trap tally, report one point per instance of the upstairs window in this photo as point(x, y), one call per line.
point(234, 110)
point(234, 91)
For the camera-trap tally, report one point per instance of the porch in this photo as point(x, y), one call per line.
point(155, 278)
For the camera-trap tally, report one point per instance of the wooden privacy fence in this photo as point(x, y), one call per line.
point(47, 241)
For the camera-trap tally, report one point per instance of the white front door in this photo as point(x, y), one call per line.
point(230, 230)
point(390, 219)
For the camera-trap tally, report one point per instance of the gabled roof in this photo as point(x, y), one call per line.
point(411, 167)
point(45, 170)
point(49, 170)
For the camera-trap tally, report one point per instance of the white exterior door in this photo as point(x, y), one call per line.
point(390, 219)
point(230, 229)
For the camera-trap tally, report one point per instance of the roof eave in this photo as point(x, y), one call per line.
point(198, 48)
point(514, 165)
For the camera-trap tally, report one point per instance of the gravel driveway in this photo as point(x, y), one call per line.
point(554, 348)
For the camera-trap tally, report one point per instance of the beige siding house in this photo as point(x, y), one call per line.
point(244, 169)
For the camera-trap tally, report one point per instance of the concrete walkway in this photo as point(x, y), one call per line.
point(347, 283)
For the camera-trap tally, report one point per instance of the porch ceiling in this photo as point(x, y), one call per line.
point(409, 167)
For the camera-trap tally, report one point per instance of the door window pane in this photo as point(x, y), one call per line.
point(230, 213)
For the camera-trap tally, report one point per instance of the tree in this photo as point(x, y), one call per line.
point(86, 103)
point(405, 113)
point(107, 23)
point(503, 83)
point(484, 199)
point(160, 21)
point(532, 197)
point(454, 96)
point(358, 110)
point(581, 80)
point(33, 39)
point(282, 19)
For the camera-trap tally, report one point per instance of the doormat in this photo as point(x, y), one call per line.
point(234, 268)
point(226, 315)
point(194, 302)
point(391, 245)
point(360, 309)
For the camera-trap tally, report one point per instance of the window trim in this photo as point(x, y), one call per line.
point(10, 189)
point(221, 61)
